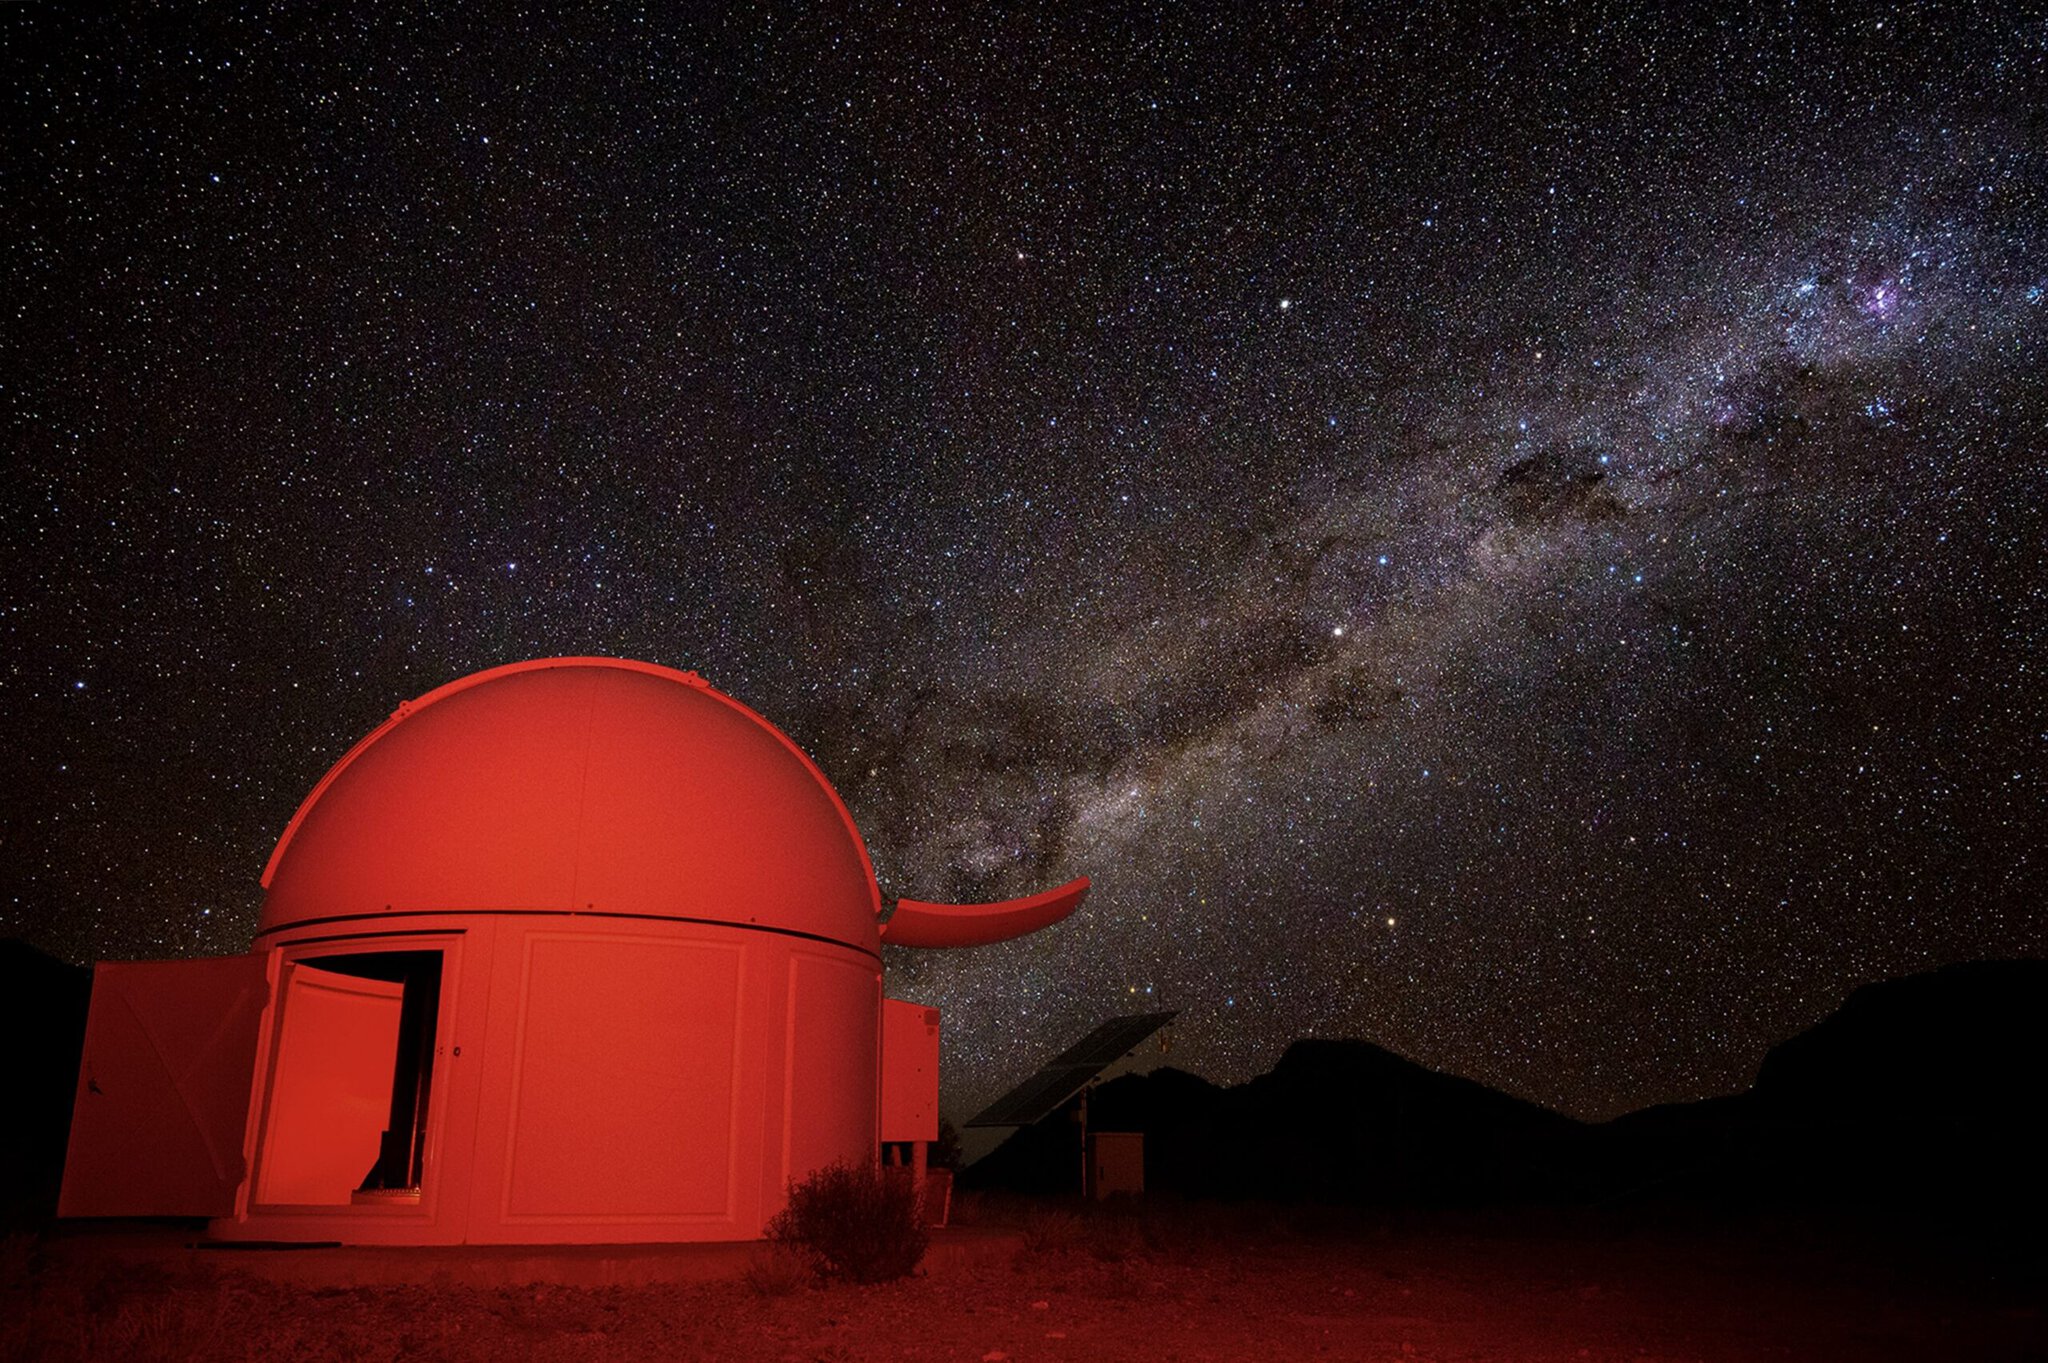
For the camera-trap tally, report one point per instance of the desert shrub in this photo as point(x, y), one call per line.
point(776, 1270)
point(1051, 1230)
point(854, 1221)
point(160, 1328)
point(945, 1152)
point(1113, 1239)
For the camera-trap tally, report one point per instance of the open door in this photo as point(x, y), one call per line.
point(331, 1086)
point(163, 1088)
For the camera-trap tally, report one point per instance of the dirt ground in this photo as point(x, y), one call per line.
point(1184, 1283)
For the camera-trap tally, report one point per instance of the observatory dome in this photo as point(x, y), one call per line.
point(577, 785)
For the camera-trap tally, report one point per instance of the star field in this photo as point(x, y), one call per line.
point(1518, 537)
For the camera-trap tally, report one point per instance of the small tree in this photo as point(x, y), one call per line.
point(854, 1221)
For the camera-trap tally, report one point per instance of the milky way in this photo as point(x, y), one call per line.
point(1519, 539)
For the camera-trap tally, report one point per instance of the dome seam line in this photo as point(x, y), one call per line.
point(582, 797)
point(557, 913)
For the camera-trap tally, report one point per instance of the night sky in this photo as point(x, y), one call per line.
point(1517, 538)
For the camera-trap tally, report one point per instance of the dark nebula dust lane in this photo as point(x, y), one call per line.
point(1517, 537)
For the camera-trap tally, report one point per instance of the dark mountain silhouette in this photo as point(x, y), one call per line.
point(42, 1003)
point(1920, 1093)
point(1959, 1043)
point(1923, 1093)
point(1334, 1121)
point(1928, 1087)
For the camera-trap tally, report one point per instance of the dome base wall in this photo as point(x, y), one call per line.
point(592, 1080)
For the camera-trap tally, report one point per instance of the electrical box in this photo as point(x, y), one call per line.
point(910, 1071)
point(1116, 1163)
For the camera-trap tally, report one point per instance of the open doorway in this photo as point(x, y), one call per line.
point(352, 1079)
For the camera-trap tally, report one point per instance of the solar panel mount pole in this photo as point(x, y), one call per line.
point(1084, 1141)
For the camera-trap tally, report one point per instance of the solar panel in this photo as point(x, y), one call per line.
point(1067, 1073)
point(1043, 1092)
point(1112, 1041)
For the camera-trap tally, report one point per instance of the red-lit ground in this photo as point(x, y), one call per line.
point(1189, 1284)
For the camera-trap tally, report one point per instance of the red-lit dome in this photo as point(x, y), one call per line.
point(580, 785)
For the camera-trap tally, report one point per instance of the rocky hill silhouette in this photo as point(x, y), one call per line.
point(1333, 1121)
point(1924, 1092)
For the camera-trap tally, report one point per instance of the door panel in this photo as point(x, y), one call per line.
point(622, 1106)
point(330, 1095)
point(163, 1088)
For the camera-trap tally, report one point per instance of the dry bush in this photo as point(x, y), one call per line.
point(776, 1270)
point(1051, 1230)
point(161, 1328)
point(854, 1222)
point(135, 1312)
point(1113, 1239)
point(181, 1325)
